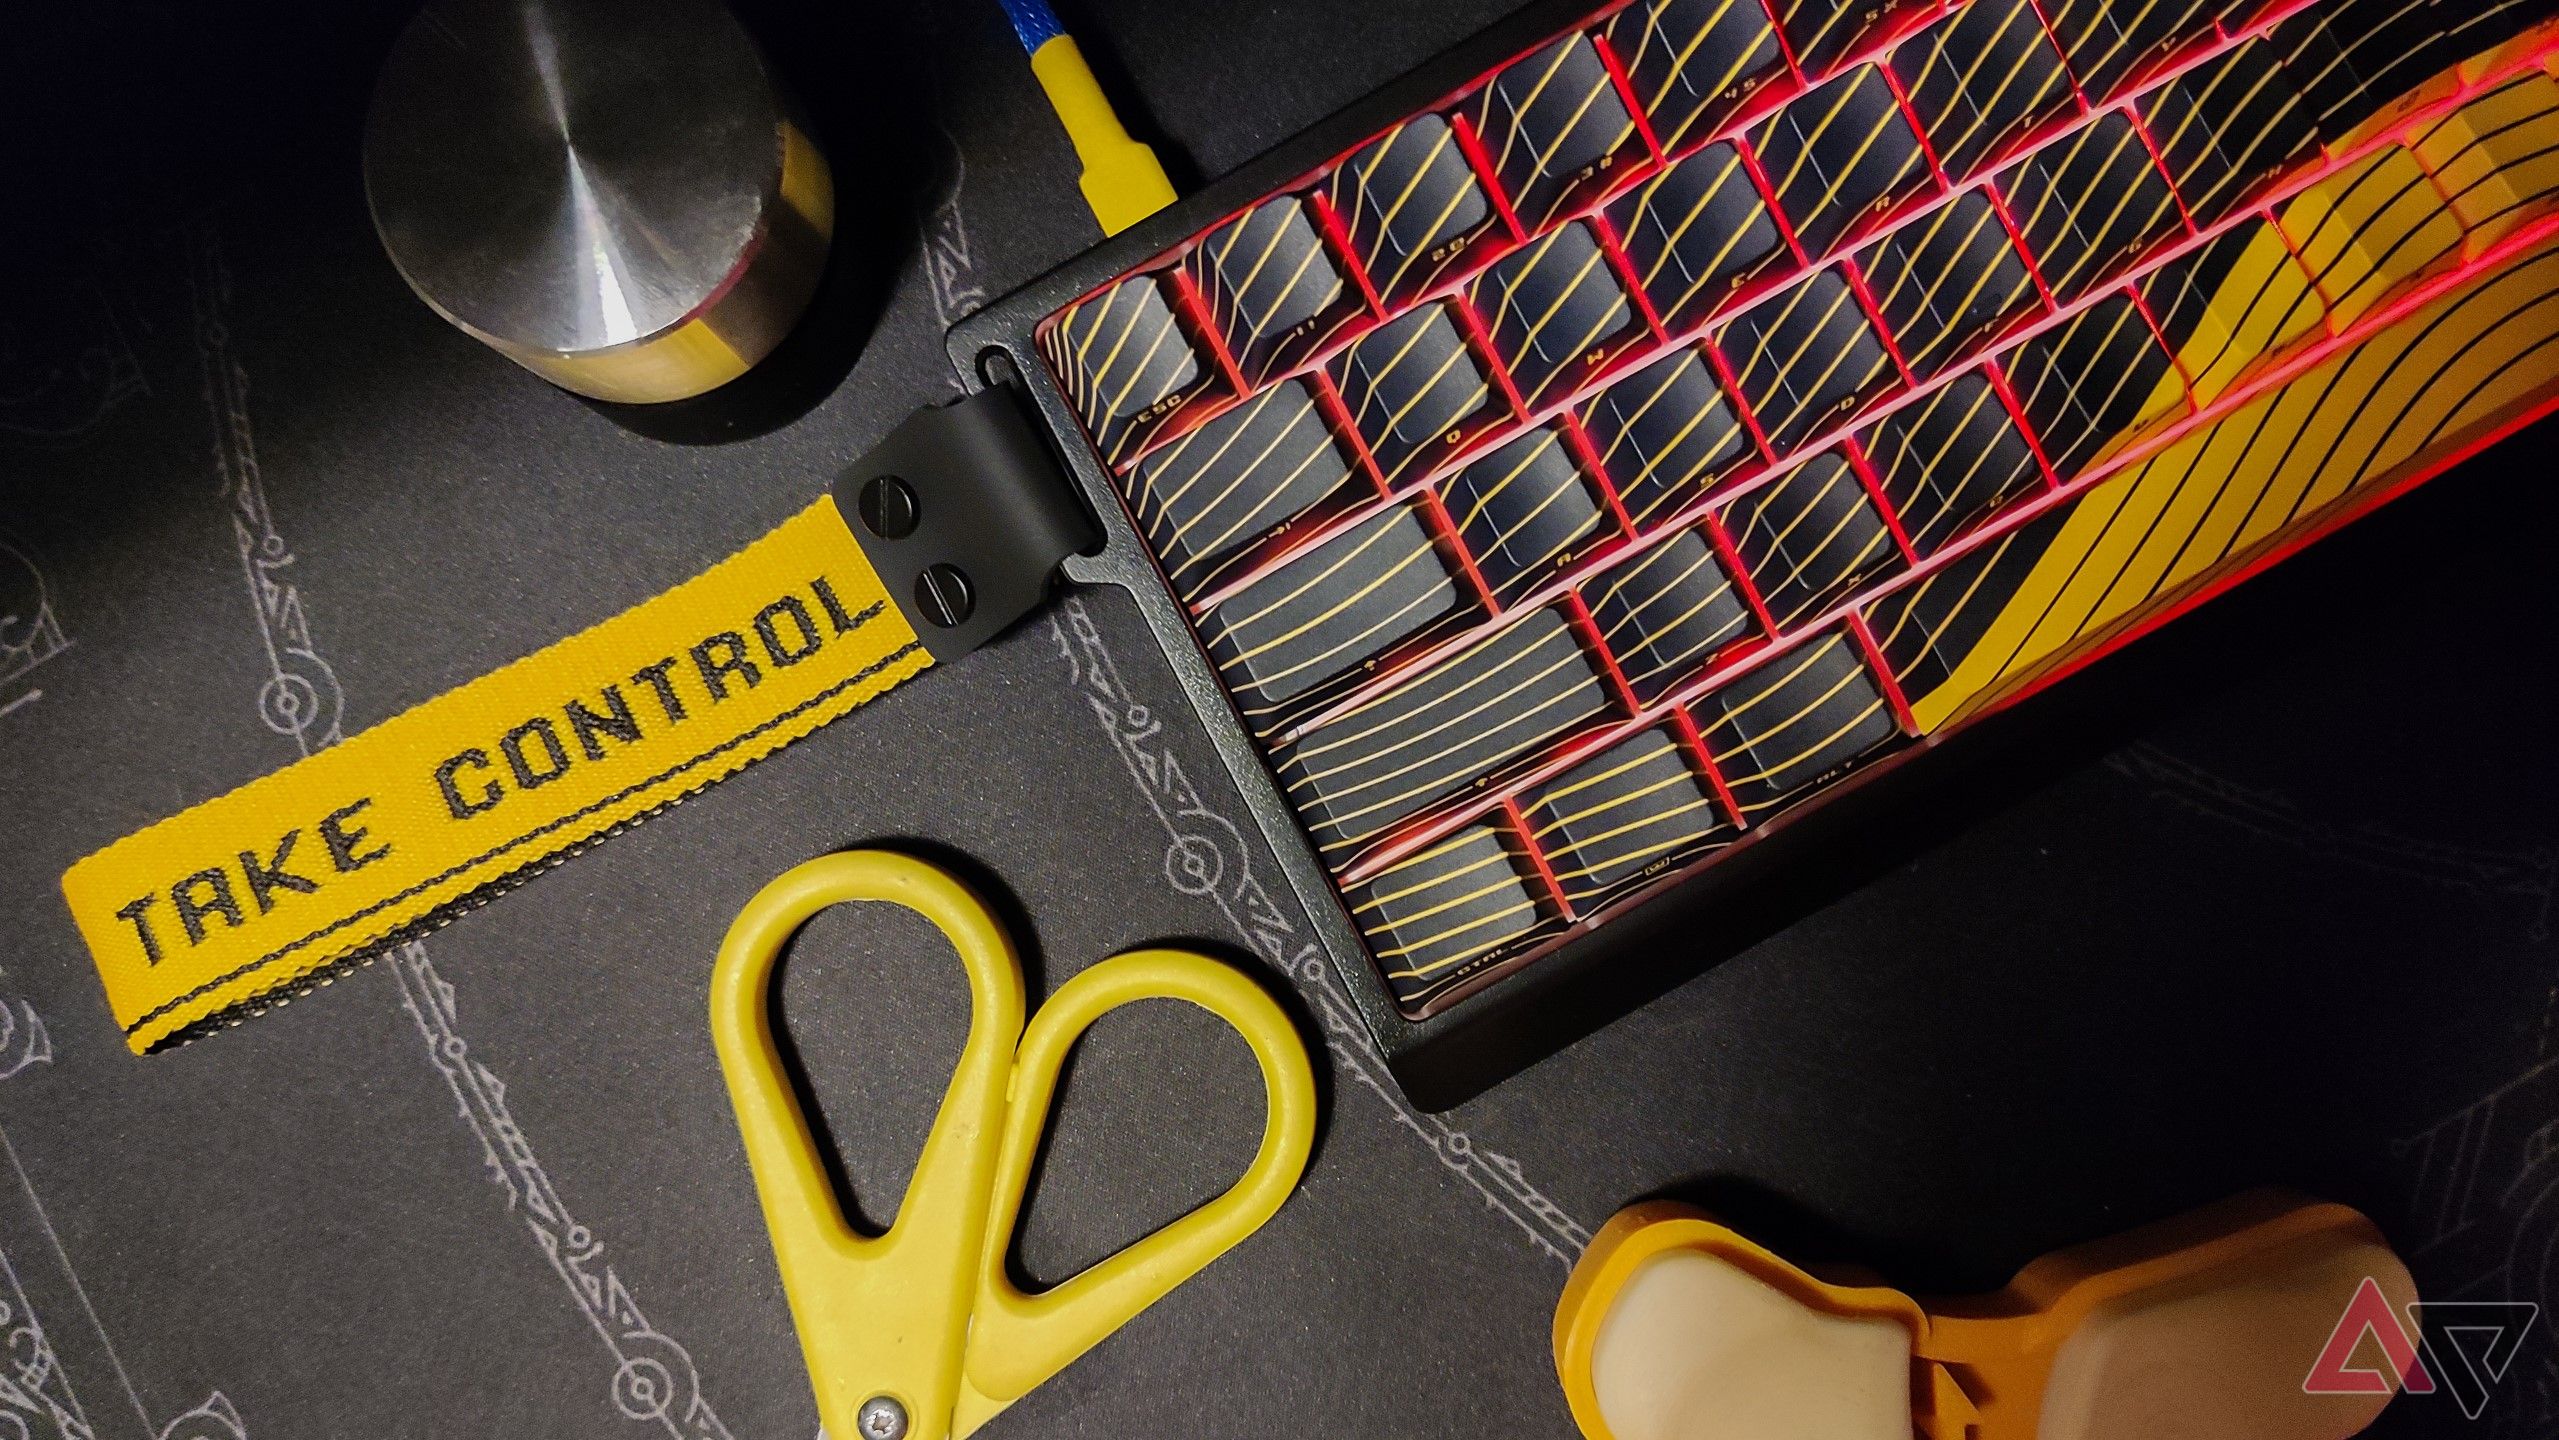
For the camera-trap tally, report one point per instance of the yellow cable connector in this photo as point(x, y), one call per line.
point(1123, 181)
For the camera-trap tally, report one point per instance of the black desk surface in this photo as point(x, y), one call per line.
point(2296, 929)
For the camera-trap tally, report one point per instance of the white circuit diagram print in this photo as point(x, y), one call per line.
point(653, 1380)
point(299, 698)
point(947, 264)
point(212, 1420)
point(67, 362)
point(40, 1395)
point(2483, 1225)
point(2482, 1219)
point(1207, 855)
point(36, 1398)
point(30, 628)
point(2529, 876)
point(24, 1041)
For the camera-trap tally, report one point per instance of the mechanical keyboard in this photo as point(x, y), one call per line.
point(1568, 473)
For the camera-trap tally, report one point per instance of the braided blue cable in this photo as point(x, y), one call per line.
point(1033, 22)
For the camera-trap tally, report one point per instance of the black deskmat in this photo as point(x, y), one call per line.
point(2286, 922)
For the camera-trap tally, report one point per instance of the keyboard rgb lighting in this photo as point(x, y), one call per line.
point(1724, 397)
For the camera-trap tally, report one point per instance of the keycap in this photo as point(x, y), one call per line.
point(1665, 436)
point(2090, 204)
point(2230, 128)
point(2111, 44)
point(2088, 385)
point(1695, 64)
point(2238, 16)
point(1982, 81)
point(1823, 33)
point(1794, 724)
point(1925, 630)
point(1441, 731)
point(1842, 159)
point(1945, 283)
point(1555, 313)
point(1807, 361)
point(1429, 915)
point(1524, 512)
point(1233, 480)
point(1951, 462)
point(1272, 290)
point(2475, 27)
point(1411, 206)
point(1555, 129)
point(1667, 614)
point(1326, 609)
point(2497, 157)
point(2356, 60)
point(2232, 306)
point(1810, 539)
point(1630, 815)
point(1414, 392)
point(2366, 233)
point(1125, 364)
point(1697, 234)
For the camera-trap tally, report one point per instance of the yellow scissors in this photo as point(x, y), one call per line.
point(919, 1333)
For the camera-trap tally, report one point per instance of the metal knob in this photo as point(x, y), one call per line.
point(611, 193)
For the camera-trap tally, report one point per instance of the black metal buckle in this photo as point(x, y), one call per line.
point(965, 515)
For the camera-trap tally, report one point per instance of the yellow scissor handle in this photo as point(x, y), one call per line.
point(885, 1316)
point(1019, 1340)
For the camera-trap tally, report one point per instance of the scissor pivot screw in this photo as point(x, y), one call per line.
point(880, 1418)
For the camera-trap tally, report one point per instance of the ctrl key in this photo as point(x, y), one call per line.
point(1435, 918)
point(1126, 363)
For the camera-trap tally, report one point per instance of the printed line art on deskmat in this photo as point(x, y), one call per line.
point(654, 1379)
point(2483, 1217)
point(38, 1397)
point(63, 372)
point(24, 1041)
point(30, 628)
point(945, 239)
point(2531, 875)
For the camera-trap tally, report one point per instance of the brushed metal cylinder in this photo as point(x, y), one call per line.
point(614, 194)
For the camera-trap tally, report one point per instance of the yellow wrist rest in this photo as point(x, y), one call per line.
point(1675, 1327)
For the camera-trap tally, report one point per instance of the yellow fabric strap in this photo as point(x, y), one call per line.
point(249, 898)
